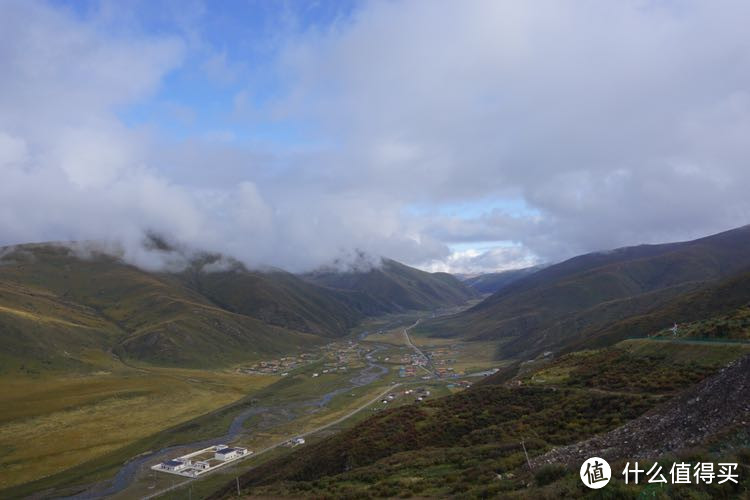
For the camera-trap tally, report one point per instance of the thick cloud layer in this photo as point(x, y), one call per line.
point(569, 127)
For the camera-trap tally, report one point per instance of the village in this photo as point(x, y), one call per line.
point(279, 366)
point(336, 356)
point(437, 362)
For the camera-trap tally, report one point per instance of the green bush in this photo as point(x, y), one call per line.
point(548, 474)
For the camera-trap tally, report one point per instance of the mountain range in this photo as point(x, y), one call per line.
point(599, 298)
point(59, 309)
point(394, 287)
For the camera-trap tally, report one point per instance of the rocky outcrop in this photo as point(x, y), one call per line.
point(705, 409)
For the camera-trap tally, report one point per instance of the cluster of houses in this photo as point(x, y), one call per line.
point(339, 356)
point(330, 369)
point(443, 372)
point(344, 354)
point(187, 466)
point(283, 365)
point(390, 397)
point(420, 394)
point(417, 359)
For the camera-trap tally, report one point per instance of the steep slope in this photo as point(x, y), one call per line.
point(719, 310)
point(393, 287)
point(595, 291)
point(494, 282)
point(279, 298)
point(709, 408)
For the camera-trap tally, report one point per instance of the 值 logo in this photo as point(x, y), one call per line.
point(595, 473)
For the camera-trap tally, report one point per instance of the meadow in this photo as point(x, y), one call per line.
point(53, 422)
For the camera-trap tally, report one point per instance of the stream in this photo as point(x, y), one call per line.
point(127, 473)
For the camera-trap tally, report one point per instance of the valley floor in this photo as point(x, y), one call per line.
point(54, 422)
point(60, 433)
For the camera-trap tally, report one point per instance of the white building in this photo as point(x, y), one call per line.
point(200, 465)
point(225, 454)
point(175, 465)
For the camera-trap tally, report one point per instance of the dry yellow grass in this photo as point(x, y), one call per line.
point(393, 337)
point(49, 424)
point(469, 356)
point(421, 341)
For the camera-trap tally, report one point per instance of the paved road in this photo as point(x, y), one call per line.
point(419, 351)
point(281, 443)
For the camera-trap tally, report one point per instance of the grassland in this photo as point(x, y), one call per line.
point(54, 422)
point(464, 357)
point(467, 357)
point(393, 337)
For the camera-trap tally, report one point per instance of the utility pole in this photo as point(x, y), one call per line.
point(238, 485)
point(528, 462)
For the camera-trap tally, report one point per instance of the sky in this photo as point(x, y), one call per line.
point(466, 137)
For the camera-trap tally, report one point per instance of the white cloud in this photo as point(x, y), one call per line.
point(478, 261)
point(13, 150)
point(615, 122)
point(595, 112)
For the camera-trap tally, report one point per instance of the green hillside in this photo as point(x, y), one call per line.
point(716, 311)
point(56, 308)
point(279, 298)
point(394, 287)
point(568, 304)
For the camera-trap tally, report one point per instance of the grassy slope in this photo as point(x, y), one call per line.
point(279, 298)
point(458, 444)
point(717, 309)
point(54, 306)
point(595, 291)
